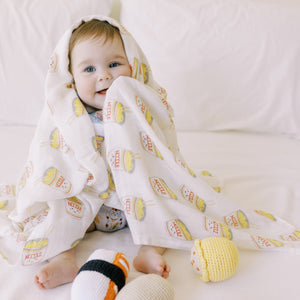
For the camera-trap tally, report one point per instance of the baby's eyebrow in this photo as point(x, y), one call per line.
point(118, 57)
point(84, 63)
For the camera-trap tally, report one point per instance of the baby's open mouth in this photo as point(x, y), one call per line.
point(102, 92)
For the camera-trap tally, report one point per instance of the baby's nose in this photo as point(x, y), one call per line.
point(104, 76)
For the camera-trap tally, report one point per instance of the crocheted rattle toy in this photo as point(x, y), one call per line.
point(214, 258)
point(101, 277)
point(147, 287)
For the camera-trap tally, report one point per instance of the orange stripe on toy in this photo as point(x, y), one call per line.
point(111, 291)
point(121, 261)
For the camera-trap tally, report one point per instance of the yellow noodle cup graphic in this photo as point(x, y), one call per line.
point(111, 184)
point(135, 67)
point(90, 180)
point(22, 182)
point(217, 229)
point(205, 173)
point(32, 221)
point(144, 69)
point(178, 230)
point(134, 207)
point(97, 142)
point(29, 169)
point(57, 141)
point(191, 171)
point(33, 251)
point(265, 214)
point(144, 110)
point(7, 190)
point(3, 204)
point(160, 188)
point(192, 198)
point(111, 188)
point(184, 166)
point(19, 226)
point(75, 243)
point(162, 91)
point(265, 243)
point(237, 219)
point(3, 256)
point(74, 207)
point(297, 234)
point(148, 145)
point(78, 107)
point(119, 112)
point(121, 159)
point(105, 195)
point(55, 179)
point(114, 112)
point(27, 173)
point(167, 105)
point(293, 237)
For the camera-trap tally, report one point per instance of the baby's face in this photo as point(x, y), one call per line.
point(95, 65)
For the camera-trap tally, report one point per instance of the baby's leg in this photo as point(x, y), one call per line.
point(150, 260)
point(60, 269)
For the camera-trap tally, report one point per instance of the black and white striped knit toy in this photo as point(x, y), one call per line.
point(101, 277)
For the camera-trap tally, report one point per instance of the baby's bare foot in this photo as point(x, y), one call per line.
point(60, 270)
point(150, 261)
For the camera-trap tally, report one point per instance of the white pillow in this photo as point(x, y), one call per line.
point(29, 31)
point(226, 65)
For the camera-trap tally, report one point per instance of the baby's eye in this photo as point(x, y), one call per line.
point(90, 69)
point(113, 64)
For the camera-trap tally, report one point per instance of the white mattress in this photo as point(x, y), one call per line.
point(258, 172)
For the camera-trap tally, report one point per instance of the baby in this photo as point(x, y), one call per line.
point(96, 58)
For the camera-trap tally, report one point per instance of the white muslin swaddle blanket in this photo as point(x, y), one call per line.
point(66, 181)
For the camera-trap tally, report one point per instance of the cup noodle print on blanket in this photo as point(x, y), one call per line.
point(227, 65)
point(164, 202)
point(160, 192)
point(31, 30)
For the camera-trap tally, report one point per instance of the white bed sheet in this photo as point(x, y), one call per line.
point(258, 171)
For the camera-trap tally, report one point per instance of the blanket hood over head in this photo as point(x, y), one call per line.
point(65, 127)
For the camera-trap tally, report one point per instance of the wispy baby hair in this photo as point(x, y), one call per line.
point(93, 29)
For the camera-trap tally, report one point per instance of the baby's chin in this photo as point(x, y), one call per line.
point(91, 109)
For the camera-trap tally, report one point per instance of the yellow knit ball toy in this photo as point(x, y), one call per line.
point(214, 258)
